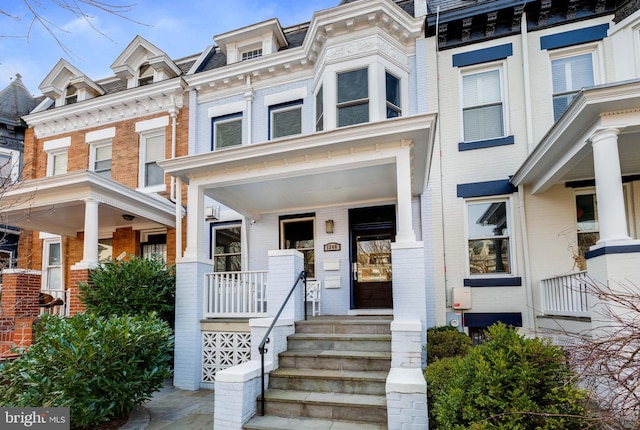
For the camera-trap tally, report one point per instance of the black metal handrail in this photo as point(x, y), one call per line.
point(265, 340)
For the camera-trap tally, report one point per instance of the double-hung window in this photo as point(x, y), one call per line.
point(483, 108)
point(392, 87)
point(6, 167)
point(299, 233)
point(227, 248)
point(227, 131)
point(59, 161)
point(101, 159)
point(488, 237)
point(353, 97)
point(285, 119)
point(153, 150)
point(569, 75)
point(52, 264)
point(587, 224)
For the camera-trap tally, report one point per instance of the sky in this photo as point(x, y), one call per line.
point(179, 28)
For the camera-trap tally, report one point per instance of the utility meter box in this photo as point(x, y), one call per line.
point(461, 298)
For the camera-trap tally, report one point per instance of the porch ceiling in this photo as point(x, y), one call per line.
point(347, 165)
point(56, 204)
point(565, 153)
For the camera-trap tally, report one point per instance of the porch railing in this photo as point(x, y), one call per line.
point(62, 309)
point(235, 294)
point(565, 295)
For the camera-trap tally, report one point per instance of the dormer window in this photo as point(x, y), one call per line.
point(71, 95)
point(254, 53)
point(145, 75)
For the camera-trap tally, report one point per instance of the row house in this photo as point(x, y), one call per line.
point(91, 189)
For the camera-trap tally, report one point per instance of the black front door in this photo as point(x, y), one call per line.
point(372, 231)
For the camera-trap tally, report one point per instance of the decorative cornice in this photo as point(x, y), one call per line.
point(165, 96)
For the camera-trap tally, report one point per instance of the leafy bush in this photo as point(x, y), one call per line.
point(438, 376)
point(98, 367)
point(446, 341)
point(135, 286)
point(509, 382)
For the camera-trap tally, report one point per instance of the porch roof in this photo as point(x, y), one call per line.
point(565, 152)
point(345, 165)
point(56, 204)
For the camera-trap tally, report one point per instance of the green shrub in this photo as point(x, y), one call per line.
point(135, 286)
point(438, 375)
point(510, 382)
point(98, 367)
point(446, 341)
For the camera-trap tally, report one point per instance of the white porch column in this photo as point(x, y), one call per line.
point(285, 266)
point(405, 231)
point(196, 236)
point(90, 244)
point(606, 160)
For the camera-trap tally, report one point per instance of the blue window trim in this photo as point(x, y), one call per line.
point(510, 281)
point(574, 37)
point(485, 55)
point(220, 118)
point(487, 319)
point(488, 188)
point(487, 143)
point(278, 107)
point(609, 250)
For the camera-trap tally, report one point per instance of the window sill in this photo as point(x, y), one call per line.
point(507, 281)
point(488, 143)
point(153, 189)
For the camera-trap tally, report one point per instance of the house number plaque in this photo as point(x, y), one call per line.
point(332, 246)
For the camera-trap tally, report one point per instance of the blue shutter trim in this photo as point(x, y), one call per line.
point(574, 37)
point(628, 249)
point(493, 282)
point(481, 319)
point(482, 55)
point(489, 188)
point(488, 143)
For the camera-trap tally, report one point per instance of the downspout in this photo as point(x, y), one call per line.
point(178, 189)
point(527, 80)
point(442, 215)
point(529, 125)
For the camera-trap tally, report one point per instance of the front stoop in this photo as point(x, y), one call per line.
point(332, 376)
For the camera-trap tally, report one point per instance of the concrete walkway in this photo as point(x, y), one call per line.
point(173, 409)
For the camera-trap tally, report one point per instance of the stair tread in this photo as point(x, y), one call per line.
point(313, 397)
point(331, 353)
point(331, 374)
point(338, 336)
point(270, 422)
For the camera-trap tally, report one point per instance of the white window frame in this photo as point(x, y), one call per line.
point(71, 98)
point(11, 259)
point(597, 62)
point(46, 249)
point(225, 226)
point(250, 53)
point(315, 237)
point(51, 161)
point(144, 136)
point(55, 148)
point(377, 67)
point(93, 155)
point(388, 104)
point(501, 67)
point(226, 119)
point(510, 236)
point(142, 80)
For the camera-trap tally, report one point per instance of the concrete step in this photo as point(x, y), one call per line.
point(334, 381)
point(345, 325)
point(290, 423)
point(355, 407)
point(336, 360)
point(340, 342)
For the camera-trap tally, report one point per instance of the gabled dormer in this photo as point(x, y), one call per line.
point(253, 41)
point(142, 63)
point(65, 84)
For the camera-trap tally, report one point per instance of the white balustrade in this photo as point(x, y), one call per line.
point(235, 294)
point(62, 309)
point(565, 295)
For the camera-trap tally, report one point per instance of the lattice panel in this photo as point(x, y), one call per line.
point(221, 350)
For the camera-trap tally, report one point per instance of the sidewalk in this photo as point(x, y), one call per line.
point(173, 409)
